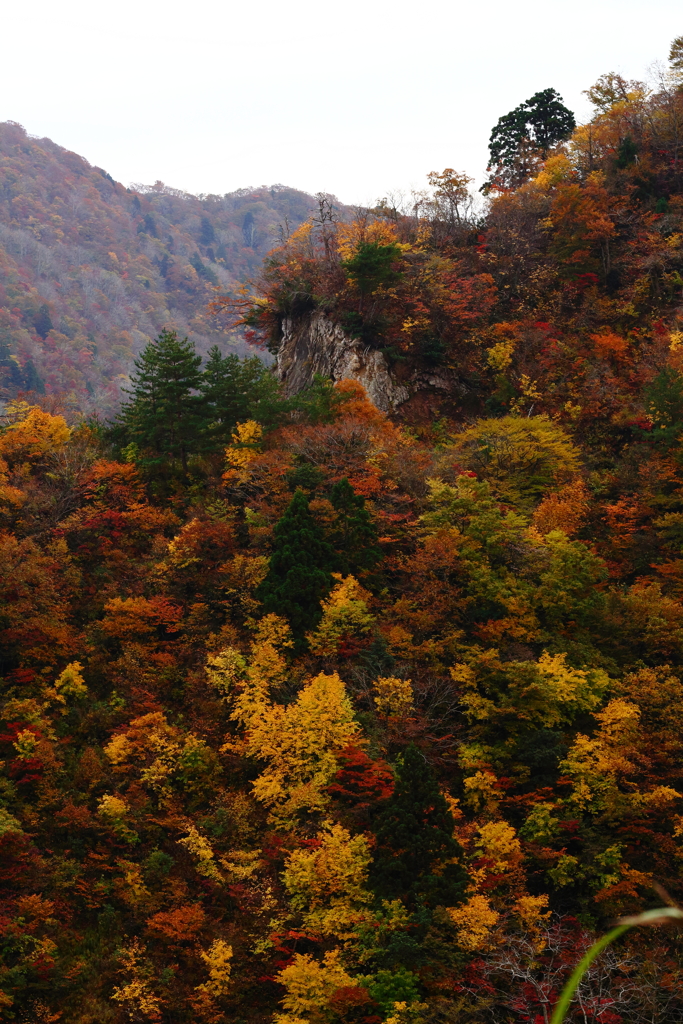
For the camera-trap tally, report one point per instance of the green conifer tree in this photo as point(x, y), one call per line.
point(299, 574)
point(320, 402)
point(166, 415)
point(528, 131)
point(354, 535)
point(236, 390)
point(663, 399)
point(202, 269)
point(415, 844)
point(207, 235)
point(373, 265)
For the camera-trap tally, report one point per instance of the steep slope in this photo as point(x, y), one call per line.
point(564, 299)
point(312, 716)
point(90, 270)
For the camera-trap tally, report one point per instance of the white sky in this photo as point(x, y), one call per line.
point(356, 99)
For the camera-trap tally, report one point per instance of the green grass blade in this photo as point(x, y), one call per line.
point(570, 988)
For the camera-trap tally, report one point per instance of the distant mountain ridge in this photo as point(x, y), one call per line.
point(90, 270)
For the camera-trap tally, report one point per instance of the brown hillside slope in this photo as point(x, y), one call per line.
point(90, 270)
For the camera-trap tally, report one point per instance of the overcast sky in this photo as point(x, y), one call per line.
point(356, 98)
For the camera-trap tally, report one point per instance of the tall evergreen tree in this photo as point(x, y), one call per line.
point(663, 400)
point(320, 401)
point(548, 120)
point(372, 265)
point(236, 390)
point(207, 235)
point(166, 414)
point(543, 120)
point(299, 576)
point(354, 535)
point(415, 844)
point(42, 321)
point(526, 133)
point(202, 269)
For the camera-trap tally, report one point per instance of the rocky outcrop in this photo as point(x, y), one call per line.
point(315, 345)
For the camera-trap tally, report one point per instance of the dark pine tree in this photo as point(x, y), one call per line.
point(372, 265)
point(207, 235)
point(42, 321)
point(527, 133)
point(664, 405)
point(299, 575)
point(166, 414)
point(415, 843)
point(226, 402)
point(548, 119)
point(236, 390)
point(32, 380)
point(202, 269)
point(320, 401)
point(354, 535)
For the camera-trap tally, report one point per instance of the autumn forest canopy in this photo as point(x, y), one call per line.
point(315, 713)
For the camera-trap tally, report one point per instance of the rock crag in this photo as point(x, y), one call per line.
point(315, 345)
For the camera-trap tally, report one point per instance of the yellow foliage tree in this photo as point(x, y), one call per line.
point(113, 810)
point(249, 683)
point(245, 447)
point(499, 843)
point(345, 615)
point(359, 231)
point(309, 984)
point(327, 885)
point(409, 1013)
point(518, 455)
point(225, 670)
point(546, 692)
point(113, 807)
point(70, 684)
point(474, 921)
point(31, 434)
point(602, 769)
point(499, 356)
point(136, 996)
point(8, 823)
point(160, 752)
point(26, 743)
point(482, 792)
point(298, 743)
point(596, 765)
point(393, 697)
point(201, 849)
point(130, 887)
point(218, 959)
point(532, 911)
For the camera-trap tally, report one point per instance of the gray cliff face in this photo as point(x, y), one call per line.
point(314, 344)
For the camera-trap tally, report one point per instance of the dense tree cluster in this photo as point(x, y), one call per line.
point(179, 410)
point(348, 724)
point(314, 716)
point(556, 297)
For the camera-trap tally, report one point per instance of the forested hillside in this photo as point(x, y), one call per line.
point(90, 270)
point(317, 715)
point(563, 299)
